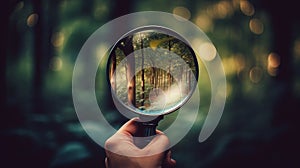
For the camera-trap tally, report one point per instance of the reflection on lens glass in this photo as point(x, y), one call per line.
point(152, 71)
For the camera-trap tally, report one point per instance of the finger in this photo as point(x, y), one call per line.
point(122, 136)
point(159, 132)
point(130, 127)
point(106, 162)
point(169, 162)
point(158, 144)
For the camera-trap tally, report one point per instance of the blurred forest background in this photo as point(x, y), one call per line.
point(258, 41)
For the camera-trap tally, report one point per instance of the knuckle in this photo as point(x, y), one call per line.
point(109, 144)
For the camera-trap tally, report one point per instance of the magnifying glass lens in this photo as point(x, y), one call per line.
point(152, 71)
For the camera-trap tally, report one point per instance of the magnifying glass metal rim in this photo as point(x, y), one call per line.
point(173, 108)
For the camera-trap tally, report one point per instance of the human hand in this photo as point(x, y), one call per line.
point(122, 152)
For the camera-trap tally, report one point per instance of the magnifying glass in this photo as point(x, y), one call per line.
point(152, 71)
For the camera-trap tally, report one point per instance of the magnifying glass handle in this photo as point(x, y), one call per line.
point(146, 131)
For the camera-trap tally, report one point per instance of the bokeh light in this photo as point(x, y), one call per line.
point(236, 4)
point(204, 22)
point(207, 51)
point(273, 63)
point(240, 63)
point(181, 11)
point(297, 48)
point(247, 8)
point(57, 39)
point(19, 5)
point(100, 11)
point(32, 19)
point(256, 74)
point(56, 64)
point(230, 65)
point(220, 10)
point(273, 71)
point(273, 60)
point(256, 26)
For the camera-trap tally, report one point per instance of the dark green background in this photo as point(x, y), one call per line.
point(39, 127)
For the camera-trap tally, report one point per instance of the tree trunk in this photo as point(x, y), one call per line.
point(130, 73)
point(169, 68)
point(181, 79)
point(143, 74)
point(112, 72)
point(152, 77)
point(190, 85)
point(160, 77)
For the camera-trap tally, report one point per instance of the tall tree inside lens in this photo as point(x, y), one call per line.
point(130, 72)
point(170, 64)
point(112, 76)
point(143, 73)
